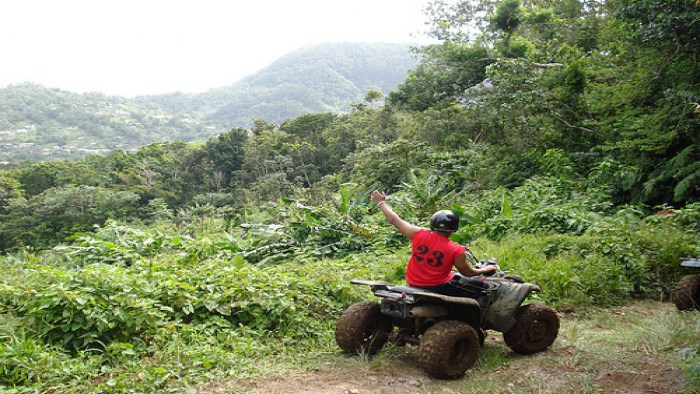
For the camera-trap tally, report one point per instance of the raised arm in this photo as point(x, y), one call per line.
point(403, 226)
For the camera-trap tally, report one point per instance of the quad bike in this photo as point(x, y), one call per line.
point(686, 296)
point(448, 331)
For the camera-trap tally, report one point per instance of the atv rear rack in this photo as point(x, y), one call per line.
point(409, 294)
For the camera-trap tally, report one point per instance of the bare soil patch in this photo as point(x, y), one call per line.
point(346, 381)
point(644, 377)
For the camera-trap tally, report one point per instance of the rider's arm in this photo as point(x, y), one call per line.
point(466, 269)
point(403, 226)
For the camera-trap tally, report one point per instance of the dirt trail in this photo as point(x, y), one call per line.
point(350, 380)
point(339, 382)
point(644, 377)
point(565, 368)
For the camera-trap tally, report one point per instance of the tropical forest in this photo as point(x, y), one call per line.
point(564, 133)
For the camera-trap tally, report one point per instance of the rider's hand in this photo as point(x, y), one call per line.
point(490, 269)
point(378, 196)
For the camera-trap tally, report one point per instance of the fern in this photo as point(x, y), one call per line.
point(689, 187)
point(682, 172)
point(429, 192)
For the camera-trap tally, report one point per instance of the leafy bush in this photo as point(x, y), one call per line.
point(541, 204)
point(26, 361)
point(616, 259)
point(117, 244)
point(86, 307)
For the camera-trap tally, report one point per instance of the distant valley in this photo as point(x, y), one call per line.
point(39, 123)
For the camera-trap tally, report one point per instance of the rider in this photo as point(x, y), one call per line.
point(433, 254)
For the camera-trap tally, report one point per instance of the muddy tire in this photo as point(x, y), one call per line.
point(448, 349)
point(535, 329)
point(686, 296)
point(362, 329)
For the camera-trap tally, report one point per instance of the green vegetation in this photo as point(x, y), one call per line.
point(565, 135)
point(165, 307)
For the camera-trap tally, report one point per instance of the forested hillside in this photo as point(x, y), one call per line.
point(565, 133)
point(43, 124)
point(39, 123)
point(325, 78)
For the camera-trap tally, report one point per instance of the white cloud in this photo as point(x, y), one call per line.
point(131, 47)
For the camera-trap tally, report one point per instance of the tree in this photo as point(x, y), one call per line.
point(261, 154)
point(507, 18)
point(668, 23)
point(448, 71)
point(226, 153)
point(39, 177)
point(385, 166)
point(57, 213)
point(648, 116)
point(9, 190)
point(373, 96)
point(156, 210)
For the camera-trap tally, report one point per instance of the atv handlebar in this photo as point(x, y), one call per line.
point(491, 261)
point(481, 264)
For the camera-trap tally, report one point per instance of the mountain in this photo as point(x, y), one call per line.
point(325, 78)
point(39, 123)
point(316, 79)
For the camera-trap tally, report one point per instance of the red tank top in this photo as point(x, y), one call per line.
point(432, 258)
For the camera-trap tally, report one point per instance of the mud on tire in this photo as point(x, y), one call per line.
point(362, 329)
point(686, 296)
point(448, 349)
point(535, 329)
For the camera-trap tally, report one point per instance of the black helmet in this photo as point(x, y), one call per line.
point(444, 221)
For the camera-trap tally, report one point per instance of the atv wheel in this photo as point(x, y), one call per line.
point(448, 349)
point(686, 296)
point(536, 328)
point(362, 328)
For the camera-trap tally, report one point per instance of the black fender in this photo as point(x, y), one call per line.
point(506, 302)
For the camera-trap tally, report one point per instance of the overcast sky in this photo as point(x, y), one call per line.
point(138, 47)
